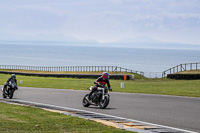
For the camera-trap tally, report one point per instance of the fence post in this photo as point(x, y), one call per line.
point(181, 67)
point(196, 66)
point(185, 67)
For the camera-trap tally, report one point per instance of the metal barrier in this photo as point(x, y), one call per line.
point(178, 68)
point(182, 67)
point(71, 68)
point(153, 74)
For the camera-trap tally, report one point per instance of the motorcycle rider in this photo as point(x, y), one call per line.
point(100, 82)
point(13, 77)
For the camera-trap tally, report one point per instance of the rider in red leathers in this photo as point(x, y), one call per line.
point(100, 82)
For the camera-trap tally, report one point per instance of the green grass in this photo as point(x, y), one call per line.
point(189, 72)
point(21, 119)
point(190, 88)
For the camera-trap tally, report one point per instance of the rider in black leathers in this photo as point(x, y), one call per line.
point(100, 82)
point(13, 77)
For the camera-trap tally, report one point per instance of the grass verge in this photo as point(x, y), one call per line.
point(190, 88)
point(15, 119)
point(189, 72)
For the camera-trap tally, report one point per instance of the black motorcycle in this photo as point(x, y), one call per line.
point(10, 89)
point(99, 98)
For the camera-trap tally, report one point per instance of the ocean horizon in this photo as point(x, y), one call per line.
point(137, 59)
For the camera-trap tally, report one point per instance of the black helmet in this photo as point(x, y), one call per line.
point(13, 76)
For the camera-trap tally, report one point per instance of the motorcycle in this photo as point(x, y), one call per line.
point(99, 98)
point(10, 89)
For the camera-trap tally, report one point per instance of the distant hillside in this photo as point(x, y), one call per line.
point(146, 43)
point(153, 45)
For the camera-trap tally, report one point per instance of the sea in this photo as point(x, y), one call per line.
point(149, 61)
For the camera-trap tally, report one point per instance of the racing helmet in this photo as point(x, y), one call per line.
point(105, 75)
point(13, 76)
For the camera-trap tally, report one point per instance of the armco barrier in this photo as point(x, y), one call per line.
point(93, 76)
point(184, 76)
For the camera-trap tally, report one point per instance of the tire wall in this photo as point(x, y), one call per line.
point(184, 76)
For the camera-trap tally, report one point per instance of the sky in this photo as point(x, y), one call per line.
point(101, 20)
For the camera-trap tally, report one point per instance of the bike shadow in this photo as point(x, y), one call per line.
point(15, 98)
point(103, 109)
point(9, 98)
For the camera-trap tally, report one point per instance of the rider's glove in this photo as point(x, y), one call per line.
point(110, 89)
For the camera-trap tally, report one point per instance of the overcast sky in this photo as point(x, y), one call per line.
point(101, 20)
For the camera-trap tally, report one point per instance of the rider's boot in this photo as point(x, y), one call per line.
point(4, 91)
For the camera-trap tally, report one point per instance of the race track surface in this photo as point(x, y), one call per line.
point(173, 111)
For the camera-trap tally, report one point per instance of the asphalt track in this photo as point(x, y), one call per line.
point(172, 111)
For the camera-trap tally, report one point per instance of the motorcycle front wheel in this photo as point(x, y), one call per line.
point(104, 103)
point(11, 92)
point(85, 102)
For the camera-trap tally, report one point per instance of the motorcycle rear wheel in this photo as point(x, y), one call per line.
point(85, 102)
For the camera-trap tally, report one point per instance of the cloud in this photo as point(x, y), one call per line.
point(31, 18)
point(101, 20)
